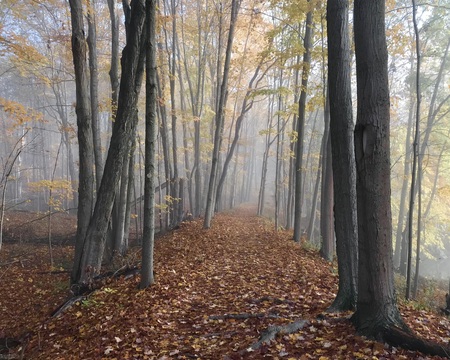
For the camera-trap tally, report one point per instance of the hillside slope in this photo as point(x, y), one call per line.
point(217, 293)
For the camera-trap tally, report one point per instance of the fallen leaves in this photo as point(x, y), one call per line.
point(217, 292)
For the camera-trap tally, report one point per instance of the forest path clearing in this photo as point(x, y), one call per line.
point(216, 291)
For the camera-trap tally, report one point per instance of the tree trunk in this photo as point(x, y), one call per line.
point(93, 71)
point(301, 126)
point(376, 307)
point(278, 154)
point(114, 70)
point(415, 285)
point(196, 96)
point(133, 57)
point(130, 194)
point(343, 153)
point(121, 206)
point(173, 115)
point(147, 277)
point(312, 218)
point(326, 202)
point(85, 145)
point(247, 104)
point(292, 172)
point(406, 173)
point(269, 142)
point(164, 131)
point(416, 159)
point(219, 119)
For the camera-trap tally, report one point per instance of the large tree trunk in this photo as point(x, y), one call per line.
point(377, 315)
point(343, 153)
point(86, 152)
point(133, 57)
point(147, 277)
point(376, 307)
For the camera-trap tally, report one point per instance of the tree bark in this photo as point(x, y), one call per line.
point(93, 71)
point(343, 153)
point(326, 202)
point(114, 70)
point(376, 311)
point(301, 126)
point(133, 57)
point(84, 124)
point(415, 169)
point(147, 276)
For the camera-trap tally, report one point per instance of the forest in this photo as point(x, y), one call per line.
point(224, 179)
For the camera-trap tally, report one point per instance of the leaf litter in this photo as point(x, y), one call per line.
point(218, 292)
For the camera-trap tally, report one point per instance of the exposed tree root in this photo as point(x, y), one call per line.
point(67, 305)
point(83, 291)
point(341, 304)
point(273, 331)
point(396, 336)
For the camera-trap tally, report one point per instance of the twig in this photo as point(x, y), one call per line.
point(217, 334)
point(13, 262)
point(243, 316)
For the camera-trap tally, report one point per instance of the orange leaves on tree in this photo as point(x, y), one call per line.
point(18, 114)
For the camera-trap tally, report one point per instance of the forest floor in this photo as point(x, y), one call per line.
point(217, 293)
